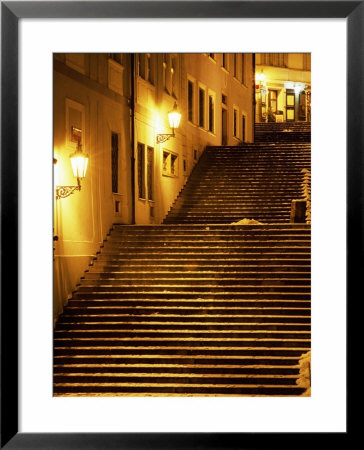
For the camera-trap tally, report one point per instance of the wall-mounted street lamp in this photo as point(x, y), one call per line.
point(260, 79)
point(79, 162)
point(174, 118)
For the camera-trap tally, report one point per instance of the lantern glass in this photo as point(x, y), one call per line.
point(174, 117)
point(79, 163)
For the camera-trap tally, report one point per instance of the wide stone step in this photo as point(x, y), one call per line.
point(194, 277)
point(191, 258)
point(229, 212)
point(86, 286)
point(180, 280)
point(119, 379)
point(218, 202)
point(115, 320)
point(201, 251)
point(192, 351)
point(177, 390)
point(190, 310)
point(180, 360)
point(230, 271)
point(245, 199)
point(248, 189)
point(224, 228)
point(234, 170)
point(106, 305)
point(214, 240)
point(211, 234)
point(212, 221)
point(259, 160)
point(173, 334)
point(203, 266)
point(213, 207)
point(173, 326)
point(221, 179)
point(79, 346)
point(196, 369)
point(221, 219)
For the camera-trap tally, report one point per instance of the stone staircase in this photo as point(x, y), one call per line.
point(254, 181)
point(198, 309)
point(283, 132)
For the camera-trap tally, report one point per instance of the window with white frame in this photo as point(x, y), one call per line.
point(140, 63)
point(174, 70)
point(225, 61)
point(170, 164)
point(243, 68)
point(211, 112)
point(117, 57)
point(235, 68)
point(141, 171)
point(243, 128)
point(201, 106)
point(235, 121)
point(145, 66)
point(165, 73)
point(149, 68)
point(190, 99)
point(114, 162)
point(150, 172)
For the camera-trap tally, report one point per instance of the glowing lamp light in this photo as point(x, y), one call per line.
point(79, 162)
point(174, 118)
point(260, 77)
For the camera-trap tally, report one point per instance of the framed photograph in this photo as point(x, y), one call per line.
point(41, 39)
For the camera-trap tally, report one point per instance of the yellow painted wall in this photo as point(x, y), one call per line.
point(92, 92)
point(82, 220)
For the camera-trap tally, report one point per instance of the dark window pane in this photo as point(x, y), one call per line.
point(141, 181)
point(150, 159)
point(211, 113)
point(114, 162)
point(190, 101)
point(201, 107)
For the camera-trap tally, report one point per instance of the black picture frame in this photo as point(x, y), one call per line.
point(11, 12)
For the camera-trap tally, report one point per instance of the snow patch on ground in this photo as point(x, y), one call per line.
point(247, 222)
point(304, 379)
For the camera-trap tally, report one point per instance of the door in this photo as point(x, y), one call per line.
point(273, 101)
point(302, 106)
point(290, 105)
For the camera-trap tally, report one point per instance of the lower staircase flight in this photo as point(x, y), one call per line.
point(199, 306)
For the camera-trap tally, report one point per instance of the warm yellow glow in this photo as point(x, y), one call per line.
point(79, 161)
point(260, 77)
point(174, 117)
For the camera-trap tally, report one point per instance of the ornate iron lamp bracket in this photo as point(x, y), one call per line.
point(163, 137)
point(65, 191)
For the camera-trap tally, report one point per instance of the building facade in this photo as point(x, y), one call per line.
point(283, 87)
point(113, 106)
